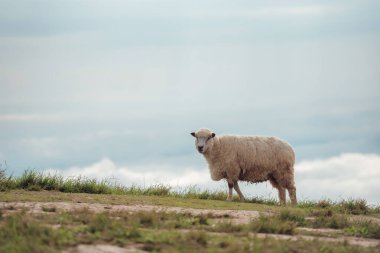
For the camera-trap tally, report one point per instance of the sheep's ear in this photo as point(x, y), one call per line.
point(193, 134)
point(213, 135)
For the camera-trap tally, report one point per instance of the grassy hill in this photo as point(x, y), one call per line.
point(48, 213)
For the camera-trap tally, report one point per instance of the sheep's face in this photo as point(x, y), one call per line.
point(203, 140)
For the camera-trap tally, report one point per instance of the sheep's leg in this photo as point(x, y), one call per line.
point(282, 195)
point(292, 195)
point(230, 185)
point(237, 189)
point(281, 190)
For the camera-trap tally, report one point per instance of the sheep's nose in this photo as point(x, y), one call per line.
point(200, 148)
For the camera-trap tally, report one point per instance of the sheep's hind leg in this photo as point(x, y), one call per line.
point(237, 189)
point(281, 190)
point(292, 195)
point(230, 185)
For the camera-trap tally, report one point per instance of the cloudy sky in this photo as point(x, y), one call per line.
point(113, 88)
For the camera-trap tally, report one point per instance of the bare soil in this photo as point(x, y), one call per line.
point(235, 216)
point(102, 248)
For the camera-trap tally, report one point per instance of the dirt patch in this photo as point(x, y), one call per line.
point(320, 231)
point(102, 248)
point(365, 218)
point(363, 242)
point(235, 216)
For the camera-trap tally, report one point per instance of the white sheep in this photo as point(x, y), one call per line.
point(248, 158)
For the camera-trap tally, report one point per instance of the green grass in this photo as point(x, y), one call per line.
point(49, 196)
point(286, 221)
point(50, 209)
point(20, 234)
point(32, 180)
point(349, 206)
point(326, 218)
point(294, 216)
point(52, 229)
point(272, 225)
point(363, 228)
point(354, 206)
point(36, 181)
point(150, 231)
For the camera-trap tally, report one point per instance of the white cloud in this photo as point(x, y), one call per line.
point(348, 175)
point(344, 176)
point(140, 175)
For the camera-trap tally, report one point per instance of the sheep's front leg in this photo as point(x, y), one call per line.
point(230, 186)
point(237, 189)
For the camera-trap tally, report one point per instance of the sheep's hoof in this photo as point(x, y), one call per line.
point(242, 200)
point(229, 199)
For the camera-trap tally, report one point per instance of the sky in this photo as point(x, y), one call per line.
point(113, 88)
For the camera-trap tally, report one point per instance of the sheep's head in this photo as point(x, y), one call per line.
point(203, 139)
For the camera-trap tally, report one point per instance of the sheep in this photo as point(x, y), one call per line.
point(252, 159)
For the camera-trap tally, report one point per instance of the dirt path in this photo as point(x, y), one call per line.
point(237, 217)
point(234, 216)
point(364, 242)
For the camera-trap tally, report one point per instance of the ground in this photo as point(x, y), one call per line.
point(52, 221)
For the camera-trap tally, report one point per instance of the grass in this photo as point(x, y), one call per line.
point(354, 206)
point(19, 234)
point(272, 225)
point(37, 181)
point(296, 217)
point(349, 206)
point(52, 229)
point(287, 221)
point(363, 228)
point(328, 219)
point(50, 209)
point(32, 180)
point(150, 231)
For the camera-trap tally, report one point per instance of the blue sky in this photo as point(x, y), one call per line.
point(84, 83)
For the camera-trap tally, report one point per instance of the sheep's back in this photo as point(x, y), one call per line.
point(259, 155)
